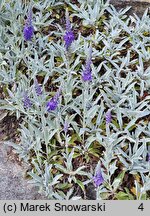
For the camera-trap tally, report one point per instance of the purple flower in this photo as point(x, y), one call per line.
point(28, 28)
point(53, 103)
point(86, 74)
point(66, 125)
point(69, 35)
point(26, 101)
point(68, 24)
point(98, 178)
point(38, 89)
point(148, 157)
point(108, 116)
point(68, 38)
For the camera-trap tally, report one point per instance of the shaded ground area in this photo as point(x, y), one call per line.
point(13, 186)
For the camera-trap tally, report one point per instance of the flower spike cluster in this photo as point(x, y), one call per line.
point(38, 89)
point(26, 101)
point(98, 178)
point(66, 125)
point(28, 28)
point(69, 35)
point(53, 103)
point(108, 116)
point(87, 74)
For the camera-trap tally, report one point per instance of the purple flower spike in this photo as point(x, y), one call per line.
point(108, 116)
point(26, 101)
point(68, 38)
point(53, 103)
point(38, 89)
point(28, 28)
point(98, 178)
point(86, 74)
point(69, 35)
point(68, 24)
point(66, 125)
point(87, 77)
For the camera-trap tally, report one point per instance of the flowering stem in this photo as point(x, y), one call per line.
point(58, 126)
point(66, 144)
point(107, 130)
point(84, 94)
point(68, 66)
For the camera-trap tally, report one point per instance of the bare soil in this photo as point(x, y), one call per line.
point(137, 6)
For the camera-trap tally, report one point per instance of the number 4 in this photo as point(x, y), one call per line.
point(141, 207)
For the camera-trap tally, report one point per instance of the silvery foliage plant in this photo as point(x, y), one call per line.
point(78, 77)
